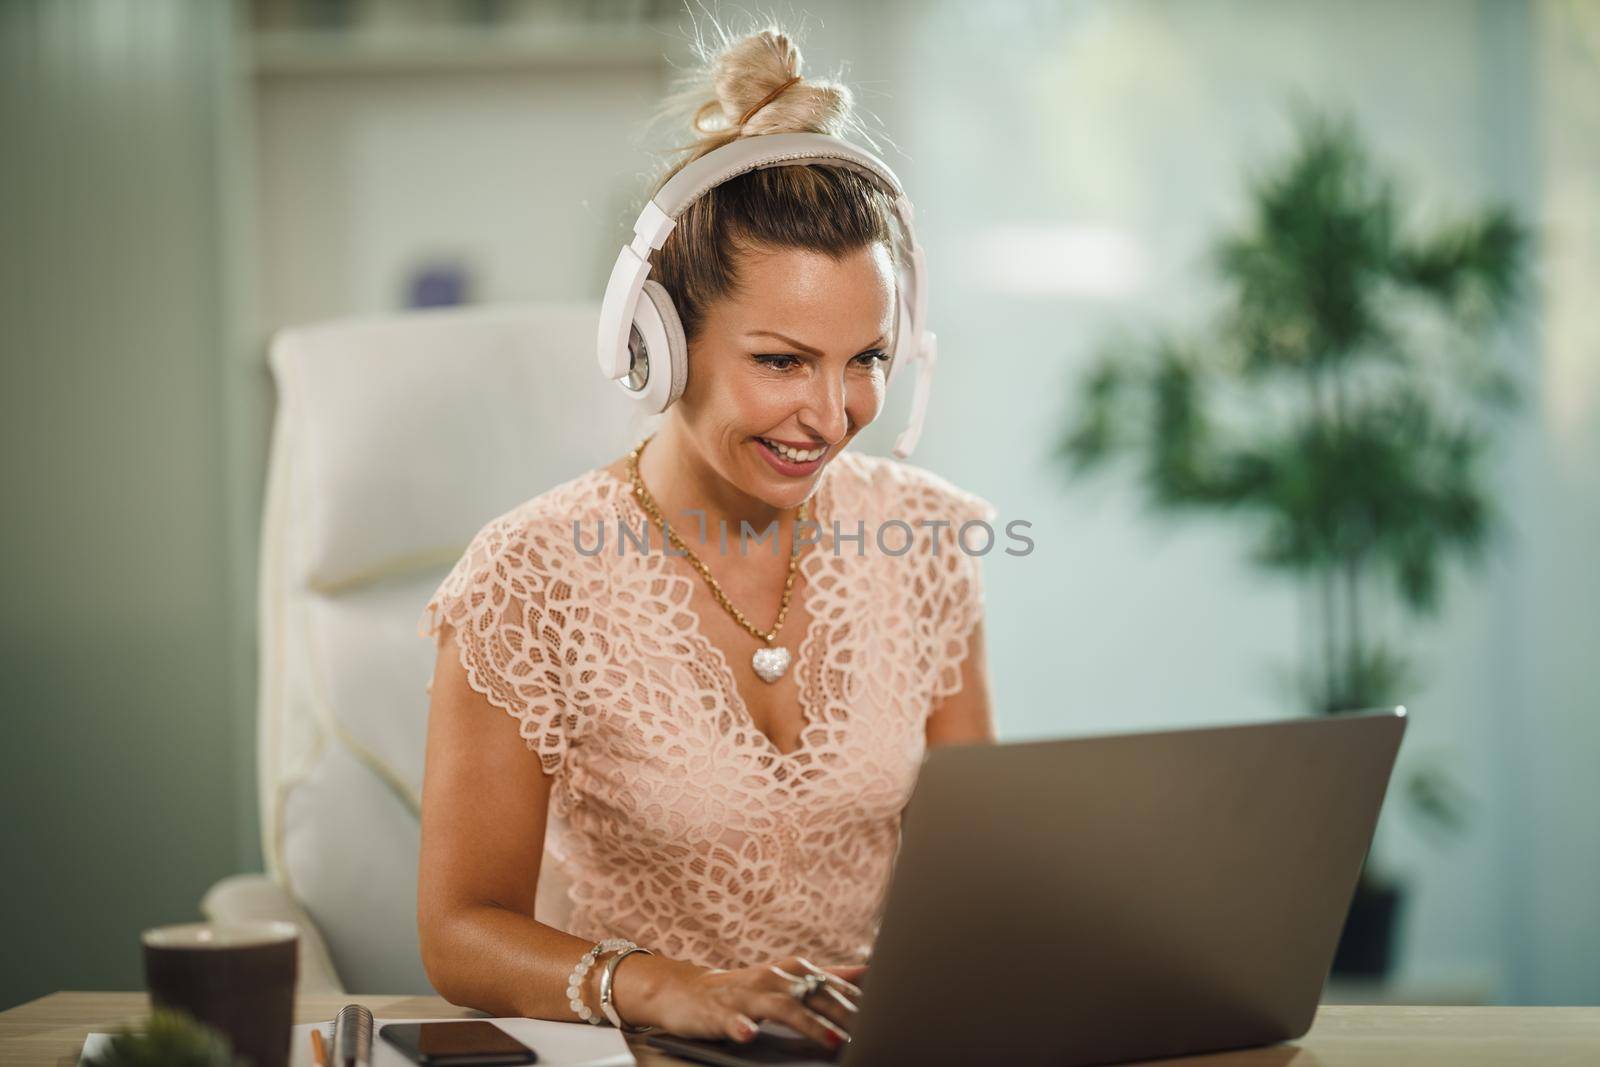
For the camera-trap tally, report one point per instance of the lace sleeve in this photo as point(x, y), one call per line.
point(510, 608)
point(957, 586)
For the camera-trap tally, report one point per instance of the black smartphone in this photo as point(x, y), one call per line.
point(457, 1043)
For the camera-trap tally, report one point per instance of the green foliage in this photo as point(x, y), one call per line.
point(1316, 408)
point(168, 1039)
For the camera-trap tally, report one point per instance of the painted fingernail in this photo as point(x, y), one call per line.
point(747, 1031)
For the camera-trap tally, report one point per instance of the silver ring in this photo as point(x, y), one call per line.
point(799, 987)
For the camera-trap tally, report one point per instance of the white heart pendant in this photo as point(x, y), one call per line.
point(770, 663)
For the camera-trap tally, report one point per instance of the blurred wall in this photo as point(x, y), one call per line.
point(1548, 703)
point(119, 760)
point(516, 173)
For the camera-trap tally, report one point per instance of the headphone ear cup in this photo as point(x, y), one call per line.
point(677, 354)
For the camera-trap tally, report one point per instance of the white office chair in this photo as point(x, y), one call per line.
point(396, 438)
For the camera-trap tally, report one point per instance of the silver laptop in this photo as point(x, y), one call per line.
point(1103, 899)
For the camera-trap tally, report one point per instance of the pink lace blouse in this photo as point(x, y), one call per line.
point(681, 825)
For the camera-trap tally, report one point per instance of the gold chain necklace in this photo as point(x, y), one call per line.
point(770, 662)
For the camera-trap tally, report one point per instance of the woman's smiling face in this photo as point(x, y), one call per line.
point(786, 370)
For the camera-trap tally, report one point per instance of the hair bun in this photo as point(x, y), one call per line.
point(748, 71)
point(755, 77)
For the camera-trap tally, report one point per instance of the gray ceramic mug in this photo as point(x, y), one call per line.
point(237, 977)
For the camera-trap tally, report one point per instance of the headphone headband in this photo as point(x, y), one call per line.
point(768, 150)
point(624, 312)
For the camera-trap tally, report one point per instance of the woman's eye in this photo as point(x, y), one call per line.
point(785, 362)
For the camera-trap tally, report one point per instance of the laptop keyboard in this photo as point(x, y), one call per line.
point(768, 1046)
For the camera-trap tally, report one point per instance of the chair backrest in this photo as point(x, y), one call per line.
point(396, 438)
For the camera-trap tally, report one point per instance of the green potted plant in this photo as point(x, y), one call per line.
point(167, 1039)
point(1317, 408)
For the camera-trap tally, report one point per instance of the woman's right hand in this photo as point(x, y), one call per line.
point(704, 1002)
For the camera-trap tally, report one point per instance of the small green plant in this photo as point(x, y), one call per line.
point(1343, 404)
point(168, 1039)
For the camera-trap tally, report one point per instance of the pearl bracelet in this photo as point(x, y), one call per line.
point(575, 980)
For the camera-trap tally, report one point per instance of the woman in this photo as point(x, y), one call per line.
point(725, 738)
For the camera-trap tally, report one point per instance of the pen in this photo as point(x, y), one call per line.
point(319, 1051)
point(352, 1038)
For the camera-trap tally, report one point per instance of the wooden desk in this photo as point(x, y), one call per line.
point(49, 1032)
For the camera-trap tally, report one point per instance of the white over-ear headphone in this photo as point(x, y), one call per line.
point(641, 342)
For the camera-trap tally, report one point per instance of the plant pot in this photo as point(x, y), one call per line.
point(1366, 947)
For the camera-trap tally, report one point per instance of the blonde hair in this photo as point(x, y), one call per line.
point(819, 208)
